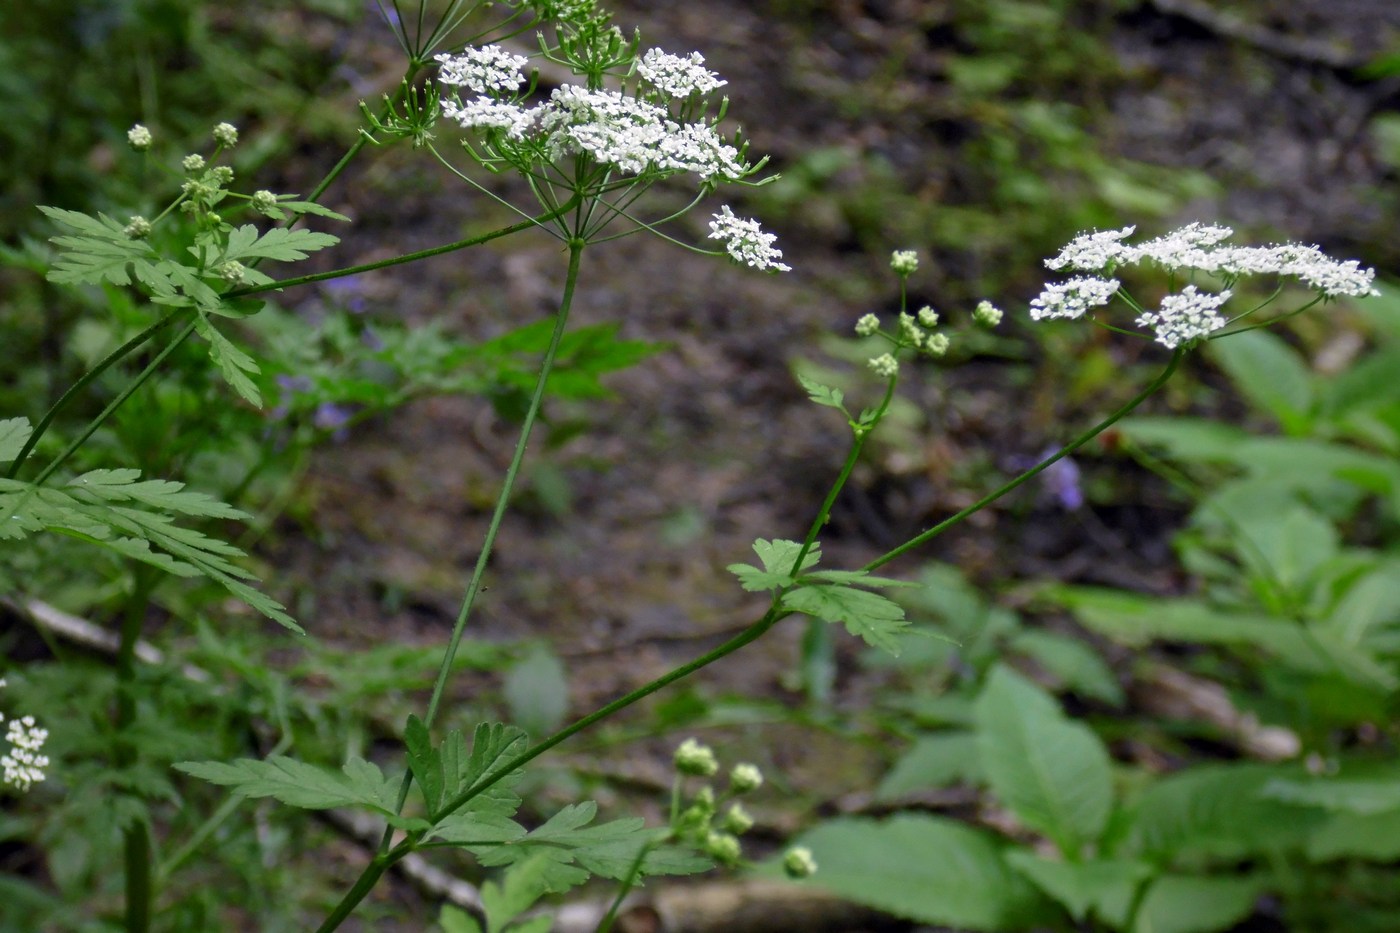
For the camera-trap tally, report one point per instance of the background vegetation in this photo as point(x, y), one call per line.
point(1171, 701)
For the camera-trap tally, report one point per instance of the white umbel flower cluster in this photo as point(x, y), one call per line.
point(678, 76)
point(23, 766)
point(746, 242)
point(1202, 248)
point(630, 133)
point(1073, 298)
point(1196, 248)
point(486, 70)
point(1185, 317)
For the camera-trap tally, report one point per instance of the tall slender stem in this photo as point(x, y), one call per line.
point(116, 403)
point(1036, 470)
point(136, 835)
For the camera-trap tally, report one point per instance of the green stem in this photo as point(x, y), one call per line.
point(83, 382)
point(512, 472)
point(136, 836)
point(1036, 470)
point(498, 515)
point(116, 403)
point(407, 257)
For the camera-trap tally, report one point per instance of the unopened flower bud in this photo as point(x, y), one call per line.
point(233, 272)
point(927, 316)
point(138, 228)
point(194, 162)
point(223, 174)
point(904, 262)
point(264, 201)
point(936, 345)
point(867, 325)
point(226, 134)
point(744, 778)
point(723, 848)
point(737, 820)
point(884, 365)
point(986, 314)
point(798, 862)
point(139, 138)
point(696, 759)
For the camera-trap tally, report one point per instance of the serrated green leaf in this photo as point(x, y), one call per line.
point(576, 850)
point(14, 434)
point(923, 868)
point(235, 365)
point(870, 616)
point(311, 207)
point(1363, 797)
point(1073, 663)
point(90, 508)
point(522, 885)
point(360, 784)
point(1052, 772)
point(1182, 904)
point(100, 252)
point(454, 920)
point(1271, 374)
point(447, 771)
point(823, 395)
point(932, 762)
point(777, 558)
point(1219, 810)
point(856, 577)
point(279, 243)
point(1107, 889)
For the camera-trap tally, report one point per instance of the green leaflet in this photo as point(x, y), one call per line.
point(360, 784)
point(1054, 773)
point(924, 868)
point(1105, 889)
point(829, 595)
point(118, 511)
point(575, 850)
point(235, 365)
point(445, 772)
point(14, 434)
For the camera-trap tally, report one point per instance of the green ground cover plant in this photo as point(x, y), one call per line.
point(190, 368)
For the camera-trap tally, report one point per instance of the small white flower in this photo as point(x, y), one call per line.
point(936, 344)
point(23, 767)
point(485, 70)
point(1092, 252)
point(927, 316)
point(867, 325)
point(1190, 247)
point(678, 76)
point(884, 365)
point(1072, 298)
point(194, 162)
point(1185, 317)
point(483, 113)
point(138, 228)
point(746, 241)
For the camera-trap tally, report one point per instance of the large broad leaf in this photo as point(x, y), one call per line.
point(1271, 374)
point(932, 762)
point(1219, 810)
point(923, 868)
point(1073, 663)
point(1136, 619)
point(1360, 796)
point(1374, 836)
point(1179, 904)
point(1052, 772)
point(1105, 889)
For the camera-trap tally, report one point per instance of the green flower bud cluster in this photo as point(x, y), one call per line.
point(699, 821)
